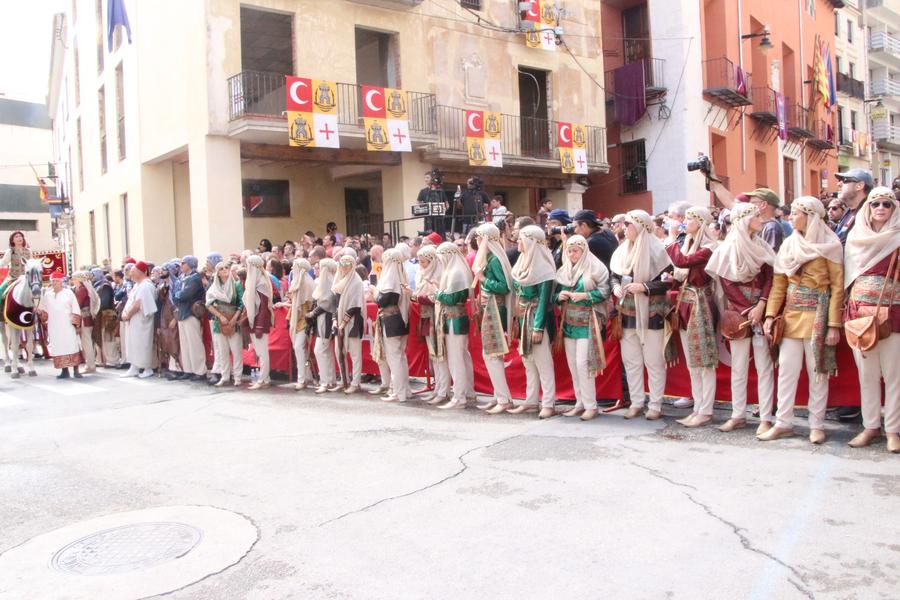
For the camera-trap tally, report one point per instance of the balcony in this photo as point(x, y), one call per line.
point(851, 87)
point(722, 82)
point(883, 10)
point(799, 124)
point(526, 141)
point(763, 105)
point(654, 81)
point(823, 135)
point(885, 87)
point(846, 138)
point(885, 133)
point(257, 104)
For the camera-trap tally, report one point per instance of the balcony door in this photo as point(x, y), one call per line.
point(534, 128)
point(376, 58)
point(267, 55)
point(636, 33)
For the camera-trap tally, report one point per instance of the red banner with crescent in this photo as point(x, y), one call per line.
point(540, 17)
point(571, 141)
point(311, 112)
point(52, 261)
point(386, 118)
point(483, 138)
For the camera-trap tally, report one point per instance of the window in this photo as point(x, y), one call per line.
point(839, 63)
point(473, 4)
point(376, 58)
point(108, 254)
point(77, 75)
point(125, 241)
point(853, 120)
point(80, 155)
point(101, 101)
point(837, 24)
point(851, 70)
point(92, 223)
point(120, 110)
point(99, 6)
point(634, 167)
point(266, 198)
point(18, 225)
point(850, 30)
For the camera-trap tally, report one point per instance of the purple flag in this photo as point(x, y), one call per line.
point(115, 16)
point(781, 115)
point(630, 99)
point(740, 81)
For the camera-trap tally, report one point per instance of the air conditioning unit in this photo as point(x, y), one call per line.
point(390, 3)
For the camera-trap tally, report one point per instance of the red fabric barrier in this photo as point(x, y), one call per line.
point(844, 389)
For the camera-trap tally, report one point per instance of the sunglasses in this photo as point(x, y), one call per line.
point(883, 203)
point(849, 180)
point(835, 208)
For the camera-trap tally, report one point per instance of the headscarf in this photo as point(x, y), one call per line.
point(742, 254)
point(535, 265)
point(301, 289)
point(86, 280)
point(456, 275)
point(219, 291)
point(349, 287)
point(213, 259)
point(866, 247)
point(818, 240)
point(428, 278)
point(393, 279)
point(327, 269)
point(191, 261)
point(589, 268)
point(643, 259)
point(346, 251)
point(489, 243)
point(703, 238)
point(404, 249)
point(257, 281)
point(99, 278)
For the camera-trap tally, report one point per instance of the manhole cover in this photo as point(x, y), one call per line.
point(127, 548)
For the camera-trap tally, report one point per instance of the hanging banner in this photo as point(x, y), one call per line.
point(781, 115)
point(483, 139)
point(542, 15)
point(312, 113)
point(571, 140)
point(386, 119)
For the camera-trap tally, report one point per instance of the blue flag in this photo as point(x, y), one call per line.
point(115, 16)
point(832, 96)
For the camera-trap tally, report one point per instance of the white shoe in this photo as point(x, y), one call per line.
point(454, 404)
point(322, 389)
point(145, 374)
point(683, 403)
point(390, 398)
point(300, 386)
point(132, 372)
point(352, 389)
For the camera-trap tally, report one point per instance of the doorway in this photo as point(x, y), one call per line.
point(356, 206)
point(376, 58)
point(534, 127)
point(789, 181)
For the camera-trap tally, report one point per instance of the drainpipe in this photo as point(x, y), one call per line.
point(802, 89)
point(741, 64)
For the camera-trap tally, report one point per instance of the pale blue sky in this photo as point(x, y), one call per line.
point(26, 31)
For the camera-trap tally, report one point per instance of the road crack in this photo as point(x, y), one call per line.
point(463, 468)
point(802, 585)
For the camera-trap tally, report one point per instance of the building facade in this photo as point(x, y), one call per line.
point(179, 140)
point(713, 77)
point(854, 138)
point(881, 20)
point(25, 131)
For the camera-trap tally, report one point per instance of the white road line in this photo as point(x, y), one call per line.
point(9, 400)
point(69, 388)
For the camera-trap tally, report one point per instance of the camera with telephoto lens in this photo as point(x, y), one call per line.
point(701, 164)
point(437, 178)
point(567, 229)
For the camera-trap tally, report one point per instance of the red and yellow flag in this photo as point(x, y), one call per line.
point(571, 140)
point(386, 119)
point(483, 135)
point(312, 113)
point(542, 14)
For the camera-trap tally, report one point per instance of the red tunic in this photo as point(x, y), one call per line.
point(263, 321)
point(84, 302)
point(759, 288)
point(853, 302)
point(697, 276)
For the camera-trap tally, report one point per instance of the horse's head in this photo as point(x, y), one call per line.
point(33, 274)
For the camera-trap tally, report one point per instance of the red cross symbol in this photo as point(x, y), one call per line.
point(327, 132)
point(580, 162)
point(548, 38)
point(400, 137)
point(494, 153)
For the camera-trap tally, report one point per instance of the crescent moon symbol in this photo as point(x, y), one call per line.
point(562, 134)
point(294, 92)
point(369, 103)
point(531, 12)
point(27, 318)
point(471, 119)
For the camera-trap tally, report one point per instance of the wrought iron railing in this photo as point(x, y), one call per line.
point(799, 120)
point(654, 80)
point(850, 86)
point(763, 103)
point(722, 73)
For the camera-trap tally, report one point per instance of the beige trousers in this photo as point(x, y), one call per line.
point(539, 375)
point(703, 390)
point(635, 357)
point(765, 376)
point(384, 370)
point(441, 371)
point(261, 347)
point(324, 351)
point(880, 362)
point(303, 373)
point(123, 340)
point(110, 349)
point(585, 386)
point(229, 354)
point(354, 349)
point(190, 338)
point(790, 361)
point(395, 351)
point(87, 348)
point(460, 366)
point(497, 372)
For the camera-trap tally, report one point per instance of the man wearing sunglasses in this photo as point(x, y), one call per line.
point(836, 210)
point(855, 186)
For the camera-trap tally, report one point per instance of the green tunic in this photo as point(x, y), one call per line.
point(457, 325)
point(541, 292)
point(495, 283)
point(595, 296)
point(236, 301)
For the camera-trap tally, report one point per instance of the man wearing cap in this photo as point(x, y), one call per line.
point(190, 332)
point(763, 198)
point(557, 217)
point(60, 310)
point(601, 242)
point(139, 313)
point(855, 186)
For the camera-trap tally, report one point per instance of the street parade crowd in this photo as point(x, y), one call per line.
point(781, 283)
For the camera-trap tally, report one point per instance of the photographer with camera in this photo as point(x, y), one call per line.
point(601, 242)
point(559, 227)
point(471, 204)
point(431, 194)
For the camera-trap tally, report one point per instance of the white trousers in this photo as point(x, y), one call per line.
point(790, 361)
point(880, 362)
point(190, 338)
point(539, 375)
point(395, 352)
point(384, 370)
point(324, 351)
point(87, 348)
point(765, 376)
point(261, 347)
point(441, 371)
point(460, 365)
point(497, 372)
point(635, 357)
point(303, 373)
point(577, 352)
point(229, 354)
point(703, 390)
point(110, 349)
point(354, 349)
point(123, 339)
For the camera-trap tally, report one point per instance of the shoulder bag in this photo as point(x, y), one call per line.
point(874, 324)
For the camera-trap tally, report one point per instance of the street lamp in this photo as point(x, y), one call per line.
point(765, 45)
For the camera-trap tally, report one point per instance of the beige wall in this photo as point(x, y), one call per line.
point(20, 146)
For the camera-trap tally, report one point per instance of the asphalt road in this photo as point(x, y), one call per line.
point(356, 498)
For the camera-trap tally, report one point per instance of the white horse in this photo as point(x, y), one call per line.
point(19, 304)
